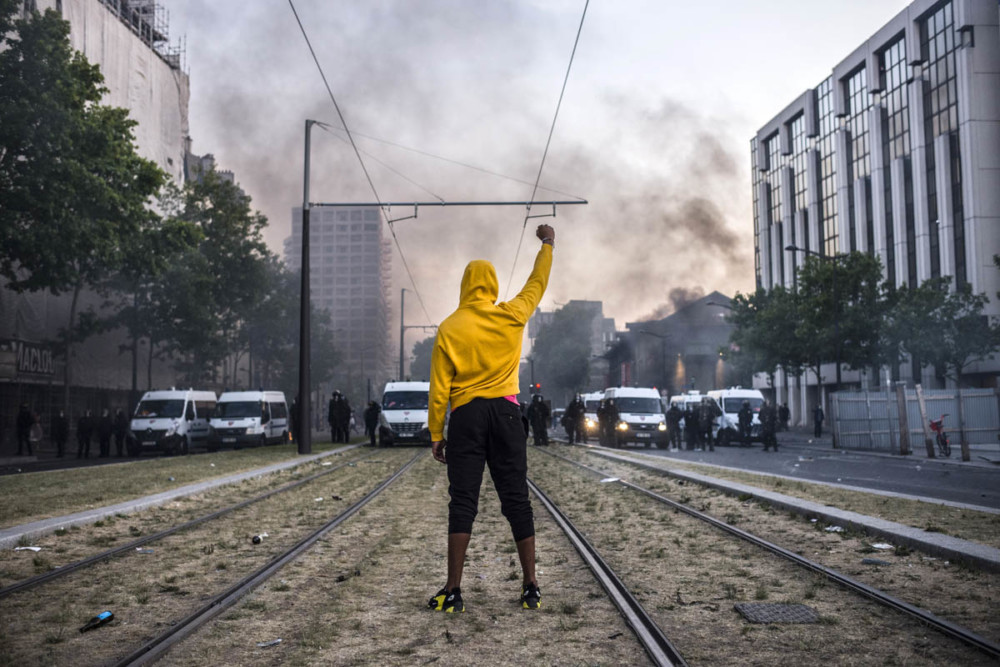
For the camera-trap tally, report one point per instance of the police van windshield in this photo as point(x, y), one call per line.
point(592, 405)
point(404, 400)
point(636, 404)
point(734, 404)
point(237, 410)
point(162, 408)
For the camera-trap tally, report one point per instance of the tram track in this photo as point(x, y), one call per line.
point(131, 547)
point(656, 644)
point(158, 646)
point(923, 616)
point(154, 593)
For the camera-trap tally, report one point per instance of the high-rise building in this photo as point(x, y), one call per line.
point(896, 153)
point(350, 266)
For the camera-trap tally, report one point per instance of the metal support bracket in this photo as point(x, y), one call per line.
point(544, 215)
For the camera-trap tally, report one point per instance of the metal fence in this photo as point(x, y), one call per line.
point(871, 420)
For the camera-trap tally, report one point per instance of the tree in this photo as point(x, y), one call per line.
point(224, 281)
point(420, 367)
point(562, 349)
point(764, 336)
point(947, 327)
point(72, 188)
point(273, 335)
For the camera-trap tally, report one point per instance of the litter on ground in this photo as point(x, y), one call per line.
point(609, 479)
point(27, 548)
point(834, 529)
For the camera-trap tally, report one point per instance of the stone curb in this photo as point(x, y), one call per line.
point(935, 544)
point(9, 537)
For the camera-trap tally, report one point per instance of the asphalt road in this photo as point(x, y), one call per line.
point(975, 483)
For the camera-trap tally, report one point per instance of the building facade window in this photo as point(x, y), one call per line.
point(829, 243)
point(937, 45)
point(895, 133)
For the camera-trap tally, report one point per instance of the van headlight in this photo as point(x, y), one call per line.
point(171, 430)
point(590, 423)
point(662, 426)
point(622, 426)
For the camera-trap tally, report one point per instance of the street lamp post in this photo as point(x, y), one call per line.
point(836, 300)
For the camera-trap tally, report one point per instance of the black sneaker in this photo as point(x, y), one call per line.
point(449, 603)
point(531, 597)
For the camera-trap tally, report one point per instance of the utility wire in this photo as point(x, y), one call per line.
point(357, 152)
point(332, 129)
point(545, 153)
point(406, 178)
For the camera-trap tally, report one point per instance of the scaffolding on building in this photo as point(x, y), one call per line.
point(150, 22)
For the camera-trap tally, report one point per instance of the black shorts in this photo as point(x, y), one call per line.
point(488, 431)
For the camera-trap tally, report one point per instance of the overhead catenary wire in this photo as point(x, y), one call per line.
point(357, 152)
point(406, 178)
point(548, 142)
point(332, 129)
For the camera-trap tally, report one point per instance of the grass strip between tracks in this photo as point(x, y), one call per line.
point(34, 496)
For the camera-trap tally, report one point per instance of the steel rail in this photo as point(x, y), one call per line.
point(36, 580)
point(649, 634)
point(158, 646)
point(947, 627)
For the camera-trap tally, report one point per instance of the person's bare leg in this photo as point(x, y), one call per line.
point(458, 544)
point(526, 554)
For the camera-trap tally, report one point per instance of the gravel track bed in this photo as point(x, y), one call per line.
point(981, 527)
point(359, 597)
point(689, 575)
point(78, 542)
point(147, 592)
point(954, 592)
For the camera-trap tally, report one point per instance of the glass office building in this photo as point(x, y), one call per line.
point(896, 153)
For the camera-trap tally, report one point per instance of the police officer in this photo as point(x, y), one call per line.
point(538, 416)
point(371, 420)
point(674, 416)
point(120, 431)
point(745, 418)
point(691, 427)
point(105, 429)
point(705, 421)
point(60, 433)
point(768, 425)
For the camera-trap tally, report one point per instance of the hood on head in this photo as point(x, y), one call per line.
point(479, 283)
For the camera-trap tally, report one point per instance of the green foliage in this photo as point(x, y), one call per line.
point(71, 184)
point(764, 338)
point(943, 327)
point(73, 190)
point(842, 308)
point(420, 367)
point(562, 350)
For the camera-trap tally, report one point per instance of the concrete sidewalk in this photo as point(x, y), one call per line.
point(9, 537)
point(935, 544)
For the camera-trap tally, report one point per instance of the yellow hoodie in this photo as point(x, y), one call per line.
point(477, 352)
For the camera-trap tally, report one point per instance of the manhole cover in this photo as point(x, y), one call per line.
point(763, 612)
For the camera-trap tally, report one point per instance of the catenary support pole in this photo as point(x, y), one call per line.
point(402, 330)
point(305, 394)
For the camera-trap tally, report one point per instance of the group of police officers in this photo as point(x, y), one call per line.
point(698, 420)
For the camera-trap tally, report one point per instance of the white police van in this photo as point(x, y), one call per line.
point(170, 421)
point(244, 418)
point(404, 414)
point(727, 426)
point(592, 401)
point(640, 415)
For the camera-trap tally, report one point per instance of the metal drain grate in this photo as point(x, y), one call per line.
point(764, 612)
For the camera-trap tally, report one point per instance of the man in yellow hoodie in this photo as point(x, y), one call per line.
point(474, 366)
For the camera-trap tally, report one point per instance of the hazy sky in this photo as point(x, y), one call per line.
point(654, 130)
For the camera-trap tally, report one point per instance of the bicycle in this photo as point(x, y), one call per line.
point(944, 447)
